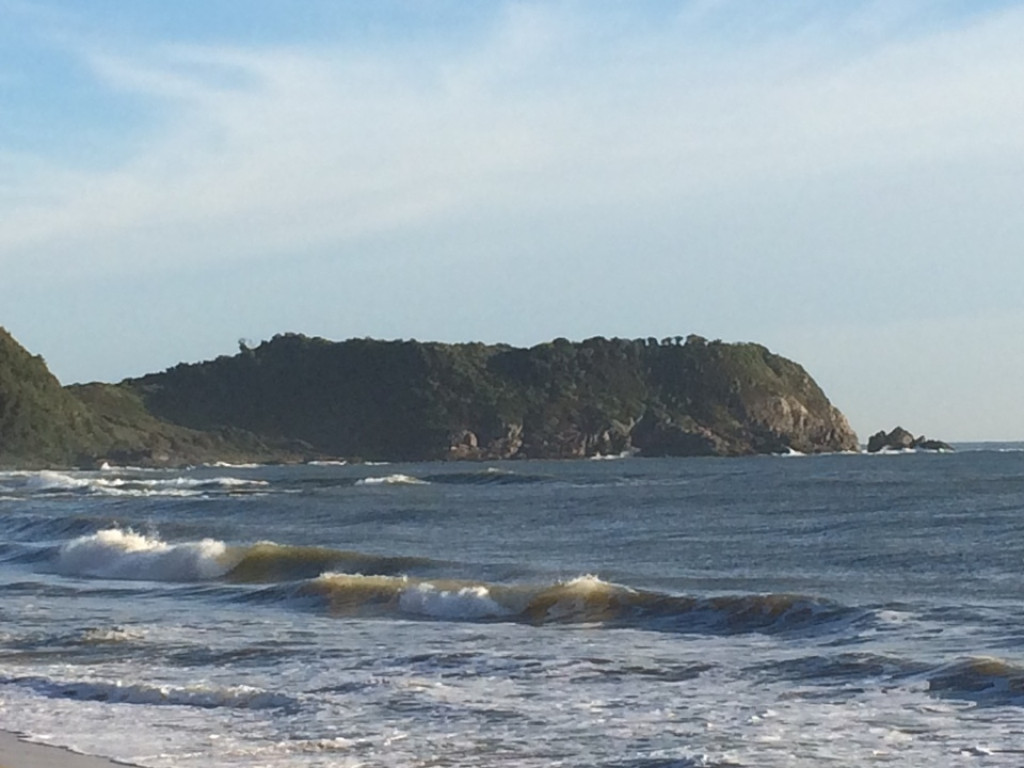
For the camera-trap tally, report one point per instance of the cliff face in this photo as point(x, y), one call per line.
point(409, 400)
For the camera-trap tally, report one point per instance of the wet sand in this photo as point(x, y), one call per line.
point(15, 753)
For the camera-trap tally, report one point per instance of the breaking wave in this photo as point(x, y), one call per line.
point(583, 600)
point(118, 554)
point(51, 482)
point(115, 553)
point(364, 585)
point(395, 479)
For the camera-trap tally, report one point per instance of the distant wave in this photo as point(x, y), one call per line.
point(395, 479)
point(57, 483)
point(489, 476)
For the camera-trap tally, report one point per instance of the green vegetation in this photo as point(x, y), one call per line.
point(410, 400)
point(40, 422)
point(295, 397)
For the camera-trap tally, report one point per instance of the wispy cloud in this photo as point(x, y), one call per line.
point(547, 112)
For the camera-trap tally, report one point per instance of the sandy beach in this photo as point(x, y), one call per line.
point(16, 753)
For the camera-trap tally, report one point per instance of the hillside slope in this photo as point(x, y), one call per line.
point(45, 425)
point(40, 422)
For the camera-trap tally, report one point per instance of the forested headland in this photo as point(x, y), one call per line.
point(294, 398)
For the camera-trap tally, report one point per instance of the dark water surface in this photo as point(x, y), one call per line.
point(771, 611)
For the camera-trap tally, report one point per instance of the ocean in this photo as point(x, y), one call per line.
point(839, 610)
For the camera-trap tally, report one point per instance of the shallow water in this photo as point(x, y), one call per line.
point(771, 611)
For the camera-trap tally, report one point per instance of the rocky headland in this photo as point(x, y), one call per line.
point(295, 398)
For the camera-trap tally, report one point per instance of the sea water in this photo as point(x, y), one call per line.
point(846, 610)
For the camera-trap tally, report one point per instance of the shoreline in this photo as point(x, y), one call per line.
point(15, 752)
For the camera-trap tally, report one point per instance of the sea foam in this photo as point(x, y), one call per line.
point(396, 479)
point(111, 484)
point(124, 554)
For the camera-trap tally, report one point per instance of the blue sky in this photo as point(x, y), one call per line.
point(838, 181)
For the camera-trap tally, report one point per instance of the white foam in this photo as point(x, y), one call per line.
point(471, 602)
point(111, 635)
point(327, 463)
point(48, 480)
point(120, 554)
point(611, 456)
point(396, 479)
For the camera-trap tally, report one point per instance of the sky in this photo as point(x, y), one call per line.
point(840, 181)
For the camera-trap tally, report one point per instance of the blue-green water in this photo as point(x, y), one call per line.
point(772, 611)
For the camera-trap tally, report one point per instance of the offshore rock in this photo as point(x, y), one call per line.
point(902, 440)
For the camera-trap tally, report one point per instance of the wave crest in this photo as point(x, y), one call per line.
point(124, 554)
point(582, 600)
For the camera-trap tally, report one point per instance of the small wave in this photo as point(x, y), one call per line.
point(327, 463)
point(50, 482)
point(267, 561)
point(986, 681)
point(489, 476)
point(395, 479)
point(111, 635)
point(31, 528)
point(792, 453)
point(124, 554)
point(842, 668)
point(612, 456)
point(119, 692)
point(356, 594)
point(583, 600)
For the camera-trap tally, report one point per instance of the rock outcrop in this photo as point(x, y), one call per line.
point(902, 440)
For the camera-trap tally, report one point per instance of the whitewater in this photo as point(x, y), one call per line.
point(846, 610)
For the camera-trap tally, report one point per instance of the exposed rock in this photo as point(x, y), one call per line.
point(931, 445)
point(902, 440)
